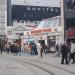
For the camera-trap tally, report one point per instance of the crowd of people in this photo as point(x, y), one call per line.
point(29, 49)
point(13, 48)
point(64, 50)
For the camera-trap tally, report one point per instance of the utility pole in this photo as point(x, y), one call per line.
point(9, 14)
point(62, 19)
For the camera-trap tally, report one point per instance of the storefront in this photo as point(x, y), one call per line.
point(41, 34)
point(71, 36)
point(47, 36)
point(3, 40)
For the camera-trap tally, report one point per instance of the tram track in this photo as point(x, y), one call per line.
point(55, 66)
point(10, 70)
point(48, 71)
point(34, 65)
point(30, 62)
point(50, 65)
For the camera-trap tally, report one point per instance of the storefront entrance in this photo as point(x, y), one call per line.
point(51, 43)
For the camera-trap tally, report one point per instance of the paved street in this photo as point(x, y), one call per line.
point(32, 65)
point(12, 68)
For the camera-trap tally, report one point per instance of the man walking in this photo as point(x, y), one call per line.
point(39, 49)
point(64, 51)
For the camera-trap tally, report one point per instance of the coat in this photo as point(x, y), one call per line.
point(64, 49)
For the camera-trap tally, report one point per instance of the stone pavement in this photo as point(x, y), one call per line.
point(12, 68)
point(48, 58)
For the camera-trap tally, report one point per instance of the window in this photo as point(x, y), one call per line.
point(9, 32)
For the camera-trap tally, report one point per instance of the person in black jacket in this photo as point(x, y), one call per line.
point(57, 47)
point(64, 51)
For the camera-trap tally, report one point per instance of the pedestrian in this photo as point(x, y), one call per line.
point(7, 48)
point(24, 48)
point(73, 52)
point(14, 49)
point(64, 53)
point(69, 51)
point(57, 47)
point(44, 48)
point(35, 49)
point(1, 47)
point(39, 49)
point(41, 52)
point(27, 48)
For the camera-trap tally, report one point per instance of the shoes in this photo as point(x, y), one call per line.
point(67, 63)
point(62, 63)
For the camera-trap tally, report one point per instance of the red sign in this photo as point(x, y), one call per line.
point(71, 33)
point(47, 30)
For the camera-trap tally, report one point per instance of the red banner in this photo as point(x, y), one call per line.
point(39, 31)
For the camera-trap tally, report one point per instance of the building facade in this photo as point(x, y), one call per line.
point(25, 15)
point(69, 16)
point(28, 12)
point(18, 29)
point(31, 10)
point(3, 18)
point(46, 3)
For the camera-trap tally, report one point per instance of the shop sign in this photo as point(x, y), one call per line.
point(70, 33)
point(39, 31)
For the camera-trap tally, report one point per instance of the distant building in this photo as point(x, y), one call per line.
point(24, 15)
point(69, 12)
point(28, 10)
point(3, 18)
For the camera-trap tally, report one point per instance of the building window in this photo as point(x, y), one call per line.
point(9, 32)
